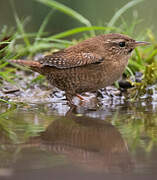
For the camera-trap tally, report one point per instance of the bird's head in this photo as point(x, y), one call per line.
point(120, 46)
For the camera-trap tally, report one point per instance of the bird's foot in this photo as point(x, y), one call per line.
point(72, 110)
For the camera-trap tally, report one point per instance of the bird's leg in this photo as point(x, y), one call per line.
point(73, 107)
point(69, 98)
point(70, 103)
point(80, 97)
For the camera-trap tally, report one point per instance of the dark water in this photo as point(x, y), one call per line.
point(114, 142)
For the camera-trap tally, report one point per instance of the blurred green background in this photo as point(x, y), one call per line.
point(98, 12)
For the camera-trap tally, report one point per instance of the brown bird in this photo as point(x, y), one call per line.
point(87, 66)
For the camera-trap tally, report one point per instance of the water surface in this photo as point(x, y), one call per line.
point(38, 142)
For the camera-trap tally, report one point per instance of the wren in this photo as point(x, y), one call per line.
point(87, 66)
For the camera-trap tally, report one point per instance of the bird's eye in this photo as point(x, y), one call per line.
point(122, 44)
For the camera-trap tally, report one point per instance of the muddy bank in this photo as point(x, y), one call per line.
point(30, 87)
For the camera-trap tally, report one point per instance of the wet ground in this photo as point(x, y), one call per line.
point(115, 140)
point(106, 137)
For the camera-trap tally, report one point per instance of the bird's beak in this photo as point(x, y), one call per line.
point(141, 43)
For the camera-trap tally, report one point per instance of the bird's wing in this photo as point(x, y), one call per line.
point(64, 60)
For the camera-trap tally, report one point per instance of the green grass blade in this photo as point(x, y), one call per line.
point(29, 35)
point(3, 65)
point(43, 25)
point(122, 10)
point(46, 46)
point(4, 42)
point(139, 60)
point(21, 30)
point(20, 25)
point(4, 101)
point(68, 11)
point(79, 30)
point(57, 40)
point(151, 56)
point(130, 72)
point(135, 64)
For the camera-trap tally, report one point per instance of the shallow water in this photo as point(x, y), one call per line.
point(115, 141)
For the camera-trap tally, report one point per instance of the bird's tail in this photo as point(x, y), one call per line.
point(27, 63)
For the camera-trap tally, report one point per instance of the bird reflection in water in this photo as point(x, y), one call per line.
point(91, 144)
